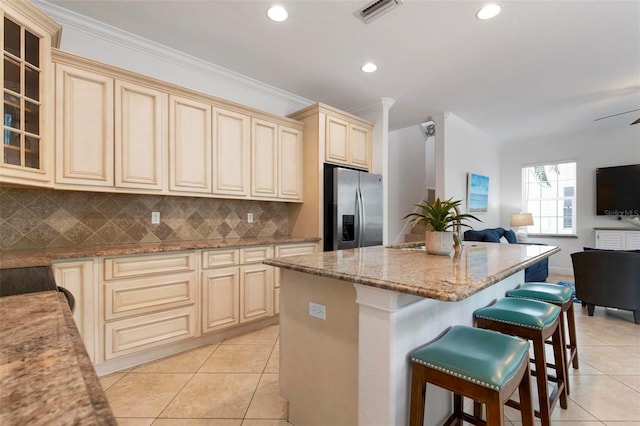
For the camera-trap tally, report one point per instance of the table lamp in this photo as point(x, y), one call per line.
point(521, 221)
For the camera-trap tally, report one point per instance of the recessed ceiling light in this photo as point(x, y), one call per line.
point(277, 13)
point(488, 11)
point(369, 67)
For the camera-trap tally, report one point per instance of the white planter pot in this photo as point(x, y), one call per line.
point(437, 242)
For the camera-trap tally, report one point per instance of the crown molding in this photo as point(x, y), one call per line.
point(145, 46)
point(373, 105)
point(452, 118)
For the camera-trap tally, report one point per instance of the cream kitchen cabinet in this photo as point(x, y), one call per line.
point(140, 137)
point(220, 281)
point(149, 301)
point(232, 157)
point(618, 239)
point(276, 171)
point(347, 143)
point(286, 250)
point(28, 133)
point(256, 284)
point(236, 287)
point(84, 134)
point(111, 132)
point(77, 276)
point(190, 167)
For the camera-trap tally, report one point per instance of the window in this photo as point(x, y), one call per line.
point(549, 194)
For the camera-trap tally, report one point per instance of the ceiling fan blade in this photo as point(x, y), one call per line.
point(615, 115)
point(635, 122)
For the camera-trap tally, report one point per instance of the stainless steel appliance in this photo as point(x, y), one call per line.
point(352, 208)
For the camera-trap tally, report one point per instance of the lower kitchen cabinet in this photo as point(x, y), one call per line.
point(220, 298)
point(286, 250)
point(149, 301)
point(138, 307)
point(149, 331)
point(78, 277)
point(236, 294)
point(256, 292)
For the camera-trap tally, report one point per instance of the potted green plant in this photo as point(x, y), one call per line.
point(440, 218)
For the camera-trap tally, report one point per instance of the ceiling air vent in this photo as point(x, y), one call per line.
point(376, 9)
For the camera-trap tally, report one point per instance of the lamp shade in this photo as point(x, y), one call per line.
point(521, 219)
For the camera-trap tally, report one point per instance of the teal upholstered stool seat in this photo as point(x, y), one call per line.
point(560, 296)
point(536, 321)
point(480, 364)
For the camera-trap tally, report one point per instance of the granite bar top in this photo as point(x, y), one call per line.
point(407, 269)
point(44, 257)
point(46, 376)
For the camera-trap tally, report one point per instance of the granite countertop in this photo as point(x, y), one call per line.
point(44, 257)
point(406, 269)
point(46, 377)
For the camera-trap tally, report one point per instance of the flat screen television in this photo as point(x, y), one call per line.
point(618, 190)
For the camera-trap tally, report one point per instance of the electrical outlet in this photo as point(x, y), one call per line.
point(155, 218)
point(250, 217)
point(317, 310)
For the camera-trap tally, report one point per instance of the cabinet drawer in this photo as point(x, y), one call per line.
point(255, 254)
point(136, 334)
point(217, 258)
point(139, 266)
point(295, 249)
point(146, 295)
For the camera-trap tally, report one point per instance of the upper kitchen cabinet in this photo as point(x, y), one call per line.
point(119, 131)
point(27, 37)
point(111, 128)
point(232, 158)
point(140, 136)
point(84, 131)
point(347, 141)
point(276, 171)
point(189, 145)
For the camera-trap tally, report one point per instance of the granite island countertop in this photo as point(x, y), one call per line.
point(46, 376)
point(45, 256)
point(406, 269)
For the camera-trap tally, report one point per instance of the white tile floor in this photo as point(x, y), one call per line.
point(235, 383)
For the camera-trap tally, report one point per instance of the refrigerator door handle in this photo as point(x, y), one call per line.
point(361, 218)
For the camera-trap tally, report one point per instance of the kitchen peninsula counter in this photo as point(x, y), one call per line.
point(349, 320)
point(46, 377)
point(45, 256)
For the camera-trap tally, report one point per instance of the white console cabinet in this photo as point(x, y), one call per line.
point(618, 239)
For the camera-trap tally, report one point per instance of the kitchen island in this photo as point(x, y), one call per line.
point(350, 318)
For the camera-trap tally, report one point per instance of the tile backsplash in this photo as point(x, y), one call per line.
point(43, 218)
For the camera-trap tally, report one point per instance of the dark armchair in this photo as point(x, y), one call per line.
point(608, 278)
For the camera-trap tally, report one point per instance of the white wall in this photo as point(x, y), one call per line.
point(468, 150)
point(407, 178)
point(598, 148)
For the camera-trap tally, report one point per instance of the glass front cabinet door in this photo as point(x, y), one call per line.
point(28, 133)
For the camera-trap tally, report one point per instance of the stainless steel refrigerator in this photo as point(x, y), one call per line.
point(352, 208)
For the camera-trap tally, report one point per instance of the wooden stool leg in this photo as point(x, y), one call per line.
point(495, 411)
point(563, 344)
point(561, 366)
point(541, 380)
point(573, 341)
point(418, 389)
point(526, 402)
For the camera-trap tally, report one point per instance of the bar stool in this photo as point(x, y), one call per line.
point(480, 364)
point(536, 321)
point(562, 297)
